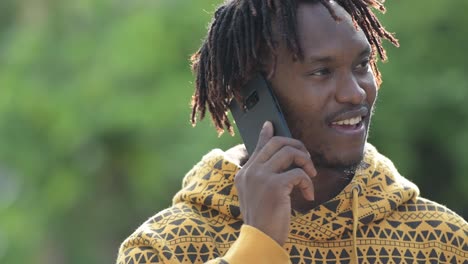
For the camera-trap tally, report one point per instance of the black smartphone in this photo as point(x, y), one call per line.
point(258, 106)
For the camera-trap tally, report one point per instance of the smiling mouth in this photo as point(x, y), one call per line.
point(350, 124)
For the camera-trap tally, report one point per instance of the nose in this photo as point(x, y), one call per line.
point(349, 91)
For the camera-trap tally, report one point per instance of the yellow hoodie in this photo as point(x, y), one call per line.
point(378, 218)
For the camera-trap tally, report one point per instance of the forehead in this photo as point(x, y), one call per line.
point(320, 35)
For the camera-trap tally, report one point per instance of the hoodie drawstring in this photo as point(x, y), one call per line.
point(354, 209)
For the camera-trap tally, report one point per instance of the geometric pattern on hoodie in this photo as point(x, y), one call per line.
point(395, 224)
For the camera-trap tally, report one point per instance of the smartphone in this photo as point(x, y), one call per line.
point(258, 106)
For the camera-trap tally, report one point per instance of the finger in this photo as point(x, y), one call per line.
point(289, 156)
point(265, 134)
point(298, 178)
point(276, 143)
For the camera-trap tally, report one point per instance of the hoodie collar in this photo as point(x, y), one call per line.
point(380, 190)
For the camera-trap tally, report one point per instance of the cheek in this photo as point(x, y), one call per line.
point(303, 113)
point(370, 87)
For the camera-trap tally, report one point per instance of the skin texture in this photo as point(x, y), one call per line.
point(333, 82)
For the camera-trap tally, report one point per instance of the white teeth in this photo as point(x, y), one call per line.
point(349, 122)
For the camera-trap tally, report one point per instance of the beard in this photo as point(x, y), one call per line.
point(326, 155)
point(322, 161)
point(325, 152)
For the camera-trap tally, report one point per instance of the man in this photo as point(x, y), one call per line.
point(342, 201)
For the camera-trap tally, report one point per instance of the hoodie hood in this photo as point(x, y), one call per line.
point(376, 190)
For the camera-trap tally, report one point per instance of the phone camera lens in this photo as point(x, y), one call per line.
point(251, 101)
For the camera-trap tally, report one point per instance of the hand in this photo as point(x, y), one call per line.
point(266, 181)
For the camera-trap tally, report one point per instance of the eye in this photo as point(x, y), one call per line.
point(320, 72)
point(364, 66)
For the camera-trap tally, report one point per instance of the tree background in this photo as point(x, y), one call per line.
point(94, 116)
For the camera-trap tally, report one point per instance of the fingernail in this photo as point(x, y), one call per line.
point(265, 124)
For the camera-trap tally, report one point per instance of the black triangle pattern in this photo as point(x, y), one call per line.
point(206, 221)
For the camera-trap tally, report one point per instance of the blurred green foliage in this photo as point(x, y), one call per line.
point(94, 107)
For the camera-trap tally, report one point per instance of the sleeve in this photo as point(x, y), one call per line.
point(252, 246)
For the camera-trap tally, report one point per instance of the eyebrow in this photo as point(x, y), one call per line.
point(324, 59)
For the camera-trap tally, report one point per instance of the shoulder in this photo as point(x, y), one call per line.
point(421, 209)
point(183, 232)
point(167, 225)
point(150, 242)
point(423, 221)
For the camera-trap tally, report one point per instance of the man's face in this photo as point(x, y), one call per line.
point(327, 98)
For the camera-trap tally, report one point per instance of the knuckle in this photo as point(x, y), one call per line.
point(293, 152)
point(299, 145)
point(297, 142)
point(299, 173)
point(289, 149)
point(276, 140)
point(249, 174)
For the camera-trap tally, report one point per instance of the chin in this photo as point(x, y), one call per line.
point(350, 159)
point(339, 157)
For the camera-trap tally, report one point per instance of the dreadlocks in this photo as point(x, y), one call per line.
point(238, 36)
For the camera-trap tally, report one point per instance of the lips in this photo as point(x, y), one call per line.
point(350, 121)
point(350, 117)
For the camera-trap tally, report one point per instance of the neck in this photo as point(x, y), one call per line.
point(328, 183)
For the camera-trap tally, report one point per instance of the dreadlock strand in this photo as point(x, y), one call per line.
point(375, 46)
point(378, 75)
point(289, 25)
point(277, 6)
point(228, 125)
point(237, 53)
point(377, 26)
point(267, 31)
point(242, 47)
point(249, 33)
point(215, 90)
point(376, 4)
point(228, 60)
point(374, 39)
point(205, 89)
point(216, 119)
point(218, 60)
point(270, 4)
point(378, 33)
point(218, 43)
point(253, 10)
point(198, 100)
point(218, 18)
point(247, 37)
point(211, 64)
point(332, 12)
point(251, 30)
